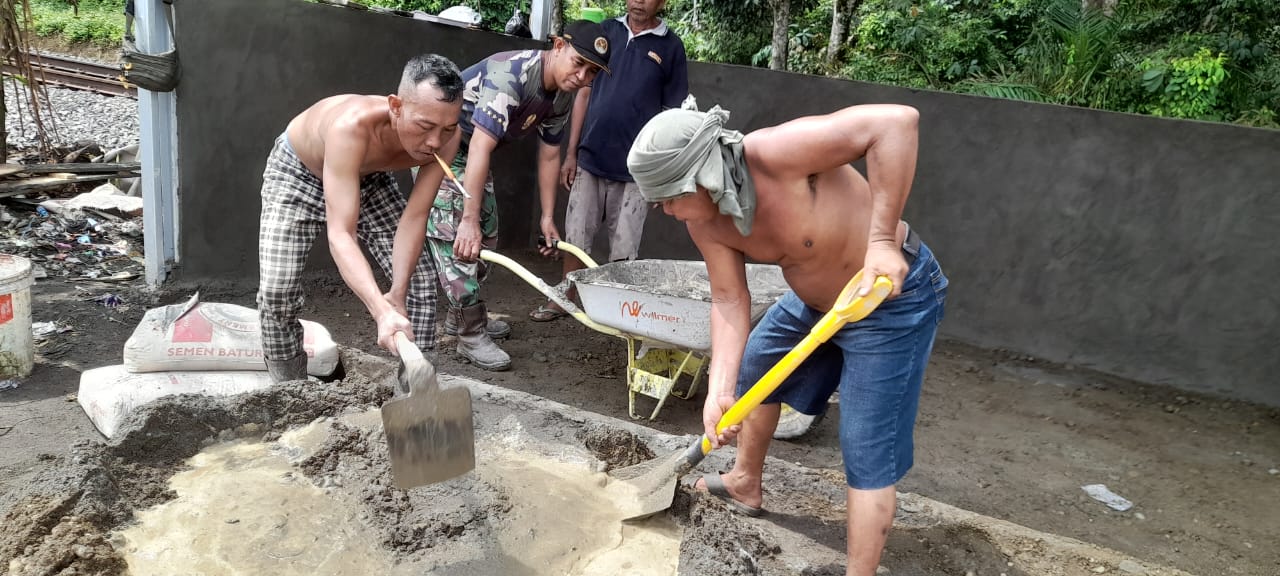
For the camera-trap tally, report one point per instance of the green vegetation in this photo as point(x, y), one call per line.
point(99, 22)
point(1216, 60)
point(1211, 60)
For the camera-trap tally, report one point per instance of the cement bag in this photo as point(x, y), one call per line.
point(109, 394)
point(209, 336)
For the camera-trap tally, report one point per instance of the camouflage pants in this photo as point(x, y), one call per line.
point(293, 214)
point(461, 280)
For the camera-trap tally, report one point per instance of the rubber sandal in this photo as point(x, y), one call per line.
point(546, 313)
point(716, 487)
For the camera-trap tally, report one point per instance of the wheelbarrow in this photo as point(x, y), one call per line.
point(662, 308)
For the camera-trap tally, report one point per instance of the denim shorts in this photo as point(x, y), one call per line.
point(876, 363)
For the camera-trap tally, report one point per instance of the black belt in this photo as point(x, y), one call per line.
point(911, 246)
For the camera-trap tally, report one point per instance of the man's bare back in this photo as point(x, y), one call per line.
point(356, 117)
point(815, 228)
point(787, 194)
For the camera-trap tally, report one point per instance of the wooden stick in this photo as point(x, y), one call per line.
point(16, 187)
point(73, 168)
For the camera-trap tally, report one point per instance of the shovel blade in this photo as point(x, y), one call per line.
point(649, 487)
point(430, 437)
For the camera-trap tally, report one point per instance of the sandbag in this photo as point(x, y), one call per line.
point(111, 393)
point(207, 336)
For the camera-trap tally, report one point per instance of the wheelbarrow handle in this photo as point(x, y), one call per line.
point(579, 253)
point(560, 300)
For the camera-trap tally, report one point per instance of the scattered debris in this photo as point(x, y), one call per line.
point(110, 300)
point(106, 198)
point(1100, 493)
point(42, 330)
point(9, 385)
point(75, 239)
point(48, 341)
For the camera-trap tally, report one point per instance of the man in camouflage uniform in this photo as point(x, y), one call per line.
point(507, 96)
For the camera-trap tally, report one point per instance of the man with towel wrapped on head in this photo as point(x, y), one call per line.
point(788, 194)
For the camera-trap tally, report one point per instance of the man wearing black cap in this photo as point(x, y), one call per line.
point(507, 96)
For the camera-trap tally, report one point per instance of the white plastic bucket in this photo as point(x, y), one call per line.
point(17, 352)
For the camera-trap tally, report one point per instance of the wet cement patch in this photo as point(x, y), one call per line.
point(529, 507)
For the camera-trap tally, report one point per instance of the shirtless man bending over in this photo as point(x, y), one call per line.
point(787, 194)
point(332, 169)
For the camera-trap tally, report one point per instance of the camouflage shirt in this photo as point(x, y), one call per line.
point(504, 97)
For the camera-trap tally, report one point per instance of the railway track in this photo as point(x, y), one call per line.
point(64, 72)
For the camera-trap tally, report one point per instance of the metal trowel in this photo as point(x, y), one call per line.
point(430, 432)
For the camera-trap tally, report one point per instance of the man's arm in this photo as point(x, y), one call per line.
point(730, 326)
point(548, 167)
point(344, 150)
point(466, 246)
point(569, 170)
point(500, 94)
point(887, 135)
point(411, 230)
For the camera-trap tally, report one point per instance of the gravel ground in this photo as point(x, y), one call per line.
point(111, 121)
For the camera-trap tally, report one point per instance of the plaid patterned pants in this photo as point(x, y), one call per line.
point(293, 214)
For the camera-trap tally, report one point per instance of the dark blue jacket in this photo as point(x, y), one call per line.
point(649, 75)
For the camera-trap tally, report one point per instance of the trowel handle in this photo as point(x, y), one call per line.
point(417, 375)
point(409, 352)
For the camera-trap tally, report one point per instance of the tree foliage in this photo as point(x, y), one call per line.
point(1202, 59)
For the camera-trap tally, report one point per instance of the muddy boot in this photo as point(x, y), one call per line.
point(474, 343)
point(495, 328)
point(287, 370)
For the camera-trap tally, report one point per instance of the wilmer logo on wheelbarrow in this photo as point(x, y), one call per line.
point(635, 309)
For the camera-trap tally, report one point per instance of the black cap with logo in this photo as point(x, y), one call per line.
point(588, 39)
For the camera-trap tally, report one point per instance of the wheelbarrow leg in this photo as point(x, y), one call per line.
point(694, 365)
point(657, 373)
point(648, 376)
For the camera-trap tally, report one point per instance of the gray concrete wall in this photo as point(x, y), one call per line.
point(1137, 246)
point(248, 67)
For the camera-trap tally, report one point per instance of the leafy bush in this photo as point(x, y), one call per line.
point(1203, 59)
point(943, 42)
point(1186, 87)
point(99, 22)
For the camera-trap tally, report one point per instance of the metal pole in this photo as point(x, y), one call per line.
point(158, 120)
point(540, 18)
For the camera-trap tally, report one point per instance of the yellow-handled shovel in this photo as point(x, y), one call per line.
point(654, 482)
